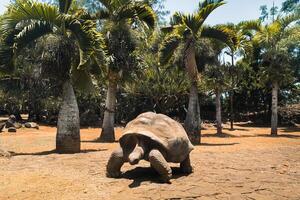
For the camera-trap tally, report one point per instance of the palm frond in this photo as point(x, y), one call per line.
point(193, 22)
point(145, 13)
point(207, 7)
point(23, 11)
point(32, 32)
point(289, 19)
point(219, 33)
point(89, 39)
point(136, 11)
point(204, 3)
point(250, 25)
point(176, 19)
point(168, 48)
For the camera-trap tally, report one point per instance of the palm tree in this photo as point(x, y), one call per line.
point(270, 38)
point(215, 76)
point(239, 44)
point(26, 21)
point(184, 31)
point(120, 18)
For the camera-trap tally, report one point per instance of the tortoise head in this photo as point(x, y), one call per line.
point(138, 151)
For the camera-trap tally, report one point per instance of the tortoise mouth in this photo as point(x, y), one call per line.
point(134, 161)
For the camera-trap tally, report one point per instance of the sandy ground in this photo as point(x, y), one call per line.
point(246, 164)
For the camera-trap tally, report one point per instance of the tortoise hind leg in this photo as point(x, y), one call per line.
point(185, 166)
point(159, 163)
point(115, 162)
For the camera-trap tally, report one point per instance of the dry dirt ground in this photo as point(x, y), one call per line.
point(247, 164)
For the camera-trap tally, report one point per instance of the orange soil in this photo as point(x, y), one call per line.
point(245, 164)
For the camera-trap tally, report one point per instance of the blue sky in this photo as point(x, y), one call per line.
point(234, 11)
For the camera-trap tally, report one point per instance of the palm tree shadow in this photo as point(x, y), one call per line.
point(218, 144)
point(291, 129)
point(146, 174)
point(280, 136)
point(236, 129)
point(97, 140)
point(44, 153)
point(222, 135)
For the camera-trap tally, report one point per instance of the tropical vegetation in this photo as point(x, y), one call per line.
point(103, 62)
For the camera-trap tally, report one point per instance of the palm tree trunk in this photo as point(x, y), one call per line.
point(192, 120)
point(231, 95)
point(218, 112)
point(108, 132)
point(68, 128)
point(274, 117)
point(231, 111)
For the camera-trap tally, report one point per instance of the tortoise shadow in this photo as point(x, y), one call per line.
point(146, 174)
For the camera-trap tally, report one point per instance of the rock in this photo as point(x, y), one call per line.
point(2, 125)
point(4, 154)
point(10, 122)
point(12, 129)
point(31, 125)
point(17, 125)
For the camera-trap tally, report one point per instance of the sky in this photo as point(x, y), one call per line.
point(234, 11)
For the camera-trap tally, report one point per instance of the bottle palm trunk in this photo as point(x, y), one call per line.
point(192, 120)
point(108, 133)
point(218, 112)
point(274, 116)
point(68, 128)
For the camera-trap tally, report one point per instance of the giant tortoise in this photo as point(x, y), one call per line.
point(155, 138)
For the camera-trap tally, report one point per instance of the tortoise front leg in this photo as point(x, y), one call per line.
point(115, 162)
point(159, 163)
point(185, 166)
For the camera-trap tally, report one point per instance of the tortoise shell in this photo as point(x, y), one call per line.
point(159, 129)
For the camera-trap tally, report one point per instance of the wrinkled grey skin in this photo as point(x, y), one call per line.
point(140, 147)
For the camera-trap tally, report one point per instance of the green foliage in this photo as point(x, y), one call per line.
point(287, 7)
point(290, 6)
point(187, 28)
point(27, 21)
point(122, 22)
point(44, 43)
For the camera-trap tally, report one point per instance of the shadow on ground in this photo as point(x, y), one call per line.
point(218, 144)
point(227, 135)
point(97, 141)
point(291, 129)
point(279, 136)
point(236, 129)
point(44, 153)
point(148, 174)
point(223, 135)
